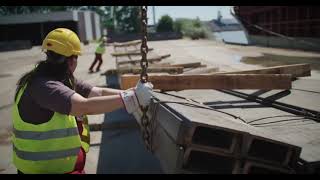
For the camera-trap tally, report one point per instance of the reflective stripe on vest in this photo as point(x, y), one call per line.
point(59, 133)
point(49, 155)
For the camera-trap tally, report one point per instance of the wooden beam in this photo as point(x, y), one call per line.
point(137, 70)
point(222, 81)
point(185, 65)
point(159, 65)
point(202, 71)
point(296, 70)
point(128, 43)
point(137, 53)
point(188, 65)
point(132, 51)
point(150, 60)
point(150, 65)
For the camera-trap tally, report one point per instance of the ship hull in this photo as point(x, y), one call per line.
point(296, 27)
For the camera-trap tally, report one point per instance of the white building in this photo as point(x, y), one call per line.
point(34, 27)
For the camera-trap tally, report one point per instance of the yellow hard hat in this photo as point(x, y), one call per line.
point(62, 41)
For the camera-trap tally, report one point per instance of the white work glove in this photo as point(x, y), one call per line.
point(135, 97)
point(144, 93)
point(130, 100)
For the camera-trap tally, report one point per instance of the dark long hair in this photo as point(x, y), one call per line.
point(55, 67)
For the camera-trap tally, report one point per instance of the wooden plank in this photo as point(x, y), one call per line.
point(158, 65)
point(202, 71)
point(133, 51)
point(126, 53)
point(137, 70)
point(222, 81)
point(189, 65)
point(150, 60)
point(149, 65)
point(184, 65)
point(128, 43)
point(296, 70)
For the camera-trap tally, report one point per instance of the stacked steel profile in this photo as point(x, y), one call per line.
point(189, 140)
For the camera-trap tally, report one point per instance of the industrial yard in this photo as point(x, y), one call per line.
point(115, 133)
point(235, 90)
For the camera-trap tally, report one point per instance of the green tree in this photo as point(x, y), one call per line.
point(192, 28)
point(128, 19)
point(177, 26)
point(165, 24)
point(197, 23)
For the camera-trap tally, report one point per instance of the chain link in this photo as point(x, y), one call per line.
point(145, 121)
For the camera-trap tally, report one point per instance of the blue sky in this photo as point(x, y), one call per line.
point(205, 13)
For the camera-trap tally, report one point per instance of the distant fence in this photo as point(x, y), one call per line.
point(15, 45)
point(115, 37)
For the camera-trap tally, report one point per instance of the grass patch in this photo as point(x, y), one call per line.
point(269, 60)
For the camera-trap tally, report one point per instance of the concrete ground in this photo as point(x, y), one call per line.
point(120, 150)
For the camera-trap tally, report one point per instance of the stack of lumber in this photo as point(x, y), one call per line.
point(128, 62)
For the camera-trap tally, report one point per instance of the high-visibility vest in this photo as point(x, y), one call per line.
point(85, 135)
point(100, 49)
point(50, 147)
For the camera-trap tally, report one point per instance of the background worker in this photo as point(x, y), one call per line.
point(50, 127)
point(100, 50)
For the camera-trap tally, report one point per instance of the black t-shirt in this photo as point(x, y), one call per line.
point(44, 96)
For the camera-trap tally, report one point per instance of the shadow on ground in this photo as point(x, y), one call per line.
point(122, 150)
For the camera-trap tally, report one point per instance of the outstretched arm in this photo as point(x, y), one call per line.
point(94, 105)
point(99, 103)
point(98, 91)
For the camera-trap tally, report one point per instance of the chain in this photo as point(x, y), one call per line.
point(145, 121)
point(144, 46)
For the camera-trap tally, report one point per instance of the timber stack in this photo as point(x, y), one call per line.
point(128, 57)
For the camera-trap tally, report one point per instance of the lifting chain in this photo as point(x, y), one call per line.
point(145, 121)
